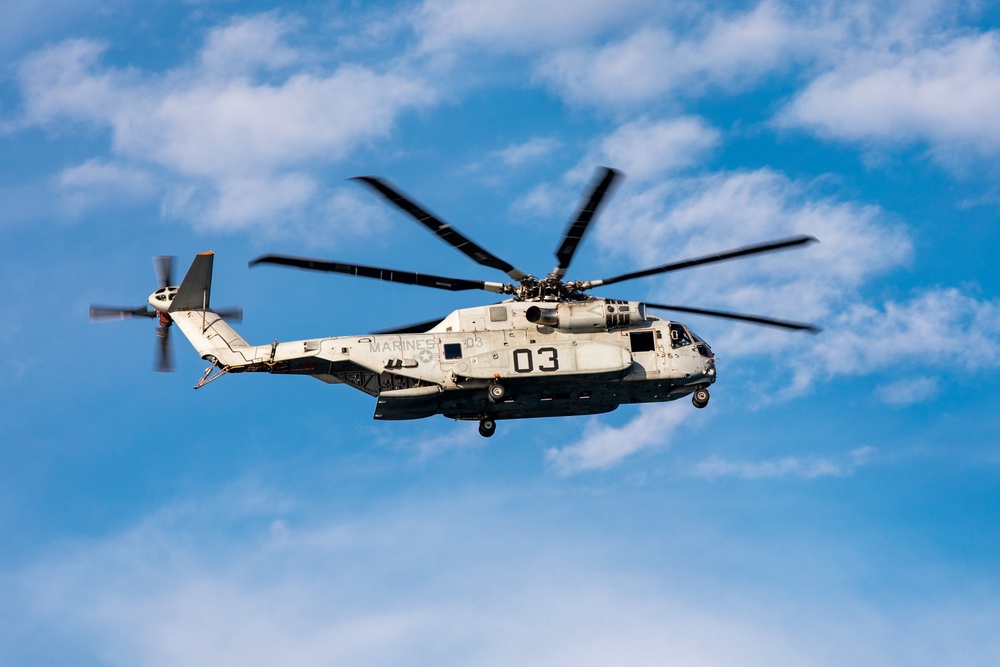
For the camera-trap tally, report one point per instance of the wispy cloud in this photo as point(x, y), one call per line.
point(523, 26)
point(941, 95)
point(235, 122)
point(722, 51)
point(460, 581)
point(937, 328)
point(647, 149)
point(909, 391)
point(529, 151)
point(695, 216)
point(715, 467)
point(605, 446)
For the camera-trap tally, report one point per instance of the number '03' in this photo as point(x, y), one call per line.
point(548, 360)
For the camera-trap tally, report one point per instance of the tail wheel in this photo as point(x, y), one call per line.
point(487, 427)
point(700, 398)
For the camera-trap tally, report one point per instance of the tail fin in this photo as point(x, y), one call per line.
point(196, 288)
point(210, 335)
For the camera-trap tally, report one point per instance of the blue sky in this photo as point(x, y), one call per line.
point(838, 501)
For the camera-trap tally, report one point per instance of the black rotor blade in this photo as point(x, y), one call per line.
point(98, 313)
point(164, 354)
point(164, 266)
point(710, 259)
point(389, 275)
point(754, 319)
point(574, 233)
point(448, 233)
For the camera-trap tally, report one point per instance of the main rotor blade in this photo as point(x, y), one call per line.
point(754, 319)
point(710, 259)
point(574, 233)
point(389, 275)
point(448, 233)
point(164, 267)
point(164, 355)
point(98, 313)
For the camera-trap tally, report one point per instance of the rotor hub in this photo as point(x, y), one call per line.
point(162, 298)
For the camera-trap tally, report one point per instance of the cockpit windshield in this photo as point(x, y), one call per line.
point(679, 336)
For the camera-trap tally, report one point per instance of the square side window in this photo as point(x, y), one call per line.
point(452, 350)
point(642, 341)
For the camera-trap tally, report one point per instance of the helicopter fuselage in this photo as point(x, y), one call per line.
point(508, 360)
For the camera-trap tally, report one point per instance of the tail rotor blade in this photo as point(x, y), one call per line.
point(164, 267)
point(234, 314)
point(98, 313)
point(164, 353)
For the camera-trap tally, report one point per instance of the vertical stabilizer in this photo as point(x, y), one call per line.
point(196, 288)
point(210, 335)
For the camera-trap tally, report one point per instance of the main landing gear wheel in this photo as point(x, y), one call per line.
point(496, 392)
point(487, 427)
point(700, 398)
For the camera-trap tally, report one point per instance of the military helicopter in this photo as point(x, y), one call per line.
point(550, 349)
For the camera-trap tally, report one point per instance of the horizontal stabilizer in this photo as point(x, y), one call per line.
point(196, 287)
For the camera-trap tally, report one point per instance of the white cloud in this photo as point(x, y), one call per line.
point(692, 217)
point(24, 23)
point(213, 127)
point(944, 95)
point(529, 151)
point(937, 328)
point(647, 149)
point(97, 182)
point(604, 446)
point(726, 52)
point(908, 391)
point(465, 581)
point(715, 467)
point(248, 45)
point(644, 149)
point(519, 25)
point(242, 201)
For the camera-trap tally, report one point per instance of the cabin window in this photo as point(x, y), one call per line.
point(452, 350)
point(498, 314)
point(642, 341)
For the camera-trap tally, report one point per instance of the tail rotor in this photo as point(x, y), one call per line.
point(163, 355)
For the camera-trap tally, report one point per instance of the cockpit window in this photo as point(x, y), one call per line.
point(679, 336)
